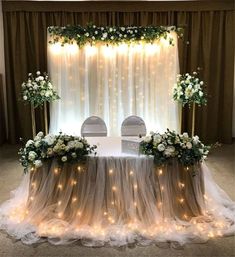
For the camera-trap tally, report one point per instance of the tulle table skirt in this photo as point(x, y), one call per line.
point(118, 201)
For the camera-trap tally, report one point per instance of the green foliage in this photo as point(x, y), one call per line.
point(113, 35)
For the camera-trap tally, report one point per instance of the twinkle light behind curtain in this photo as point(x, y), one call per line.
point(113, 82)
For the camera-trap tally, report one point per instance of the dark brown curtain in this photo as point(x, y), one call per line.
point(2, 114)
point(211, 46)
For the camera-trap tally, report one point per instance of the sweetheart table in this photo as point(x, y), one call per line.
point(117, 199)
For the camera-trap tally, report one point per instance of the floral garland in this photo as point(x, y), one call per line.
point(63, 147)
point(38, 90)
point(168, 145)
point(189, 89)
point(114, 35)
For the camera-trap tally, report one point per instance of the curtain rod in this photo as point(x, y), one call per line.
point(116, 6)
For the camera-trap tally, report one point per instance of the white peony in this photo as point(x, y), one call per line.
point(161, 147)
point(38, 163)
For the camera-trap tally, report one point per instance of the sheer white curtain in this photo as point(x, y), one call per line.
point(113, 82)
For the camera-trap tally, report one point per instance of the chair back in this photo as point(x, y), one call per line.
point(94, 127)
point(133, 126)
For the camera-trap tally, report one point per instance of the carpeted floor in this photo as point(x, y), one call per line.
point(222, 164)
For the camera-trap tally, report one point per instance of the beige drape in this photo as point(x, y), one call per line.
point(208, 28)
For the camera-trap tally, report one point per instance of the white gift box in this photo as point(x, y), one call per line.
point(131, 145)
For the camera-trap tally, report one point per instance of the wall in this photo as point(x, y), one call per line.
point(2, 61)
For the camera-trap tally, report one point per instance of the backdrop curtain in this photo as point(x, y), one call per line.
point(114, 82)
point(208, 29)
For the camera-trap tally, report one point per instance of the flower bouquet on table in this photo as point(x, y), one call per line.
point(38, 90)
point(168, 145)
point(189, 89)
point(65, 148)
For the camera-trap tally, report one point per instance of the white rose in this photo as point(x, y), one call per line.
point(104, 35)
point(157, 138)
point(49, 139)
point(47, 94)
point(64, 159)
point(189, 145)
point(201, 82)
point(37, 144)
point(185, 134)
point(41, 78)
point(87, 34)
point(38, 73)
point(23, 85)
point(30, 74)
point(79, 145)
point(74, 155)
point(25, 97)
point(38, 163)
point(161, 147)
point(32, 155)
point(122, 29)
point(195, 139)
point(29, 143)
point(200, 93)
point(40, 134)
point(147, 139)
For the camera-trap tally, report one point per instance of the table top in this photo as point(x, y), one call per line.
point(112, 146)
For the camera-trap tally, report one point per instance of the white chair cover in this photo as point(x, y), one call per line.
point(133, 126)
point(94, 127)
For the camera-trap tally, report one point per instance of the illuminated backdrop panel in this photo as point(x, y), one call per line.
point(113, 82)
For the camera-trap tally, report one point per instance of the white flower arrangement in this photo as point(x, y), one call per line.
point(170, 145)
point(189, 89)
point(38, 89)
point(63, 147)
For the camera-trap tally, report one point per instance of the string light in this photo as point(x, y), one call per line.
point(60, 186)
point(74, 199)
point(131, 173)
point(160, 172)
point(110, 171)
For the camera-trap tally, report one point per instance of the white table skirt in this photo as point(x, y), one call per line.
point(117, 199)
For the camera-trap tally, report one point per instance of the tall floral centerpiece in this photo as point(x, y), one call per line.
point(38, 90)
point(189, 90)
